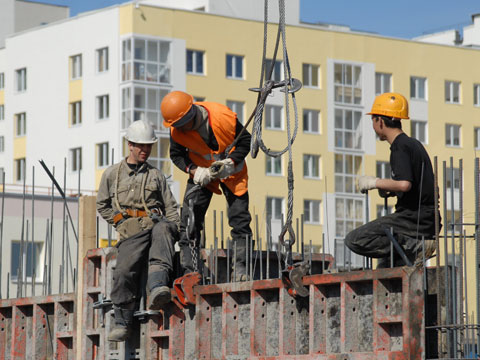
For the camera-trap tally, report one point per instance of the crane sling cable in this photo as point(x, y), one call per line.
point(290, 86)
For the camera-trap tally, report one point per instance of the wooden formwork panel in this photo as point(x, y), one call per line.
point(41, 327)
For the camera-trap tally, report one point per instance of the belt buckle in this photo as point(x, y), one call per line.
point(135, 213)
point(155, 211)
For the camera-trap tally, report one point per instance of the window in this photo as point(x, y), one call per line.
point(383, 83)
point(237, 107)
point(476, 94)
point(19, 165)
point(348, 83)
point(348, 130)
point(384, 171)
point(419, 130)
point(21, 80)
point(195, 62)
point(273, 117)
point(418, 88)
point(311, 211)
point(234, 66)
point(2, 144)
point(75, 67)
point(274, 208)
point(452, 92)
point(28, 253)
point(198, 98)
point(20, 124)
point(274, 165)
point(347, 167)
point(2, 81)
point(76, 159)
point(76, 113)
point(348, 215)
point(310, 75)
point(102, 154)
point(277, 72)
point(311, 166)
point(452, 135)
point(476, 140)
point(139, 103)
point(456, 178)
point(150, 60)
point(457, 228)
point(102, 104)
point(2, 112)
point(311, 121)
point(102, 60)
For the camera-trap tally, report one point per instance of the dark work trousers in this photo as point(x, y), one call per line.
point(239, 219)
point(156, 246)
point(370, 239)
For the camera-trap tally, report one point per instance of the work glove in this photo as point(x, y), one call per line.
point(365, 183)
point(222, 168)
point(202, 176)
point(129, 227)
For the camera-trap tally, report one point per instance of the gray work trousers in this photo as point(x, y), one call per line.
point(370, 239)
point(155, 246)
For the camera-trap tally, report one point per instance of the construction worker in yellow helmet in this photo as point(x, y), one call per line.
point(412, 182)
point(200, 133)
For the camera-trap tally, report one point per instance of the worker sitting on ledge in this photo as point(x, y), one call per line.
point(200, 134)
point(413, 184)
point(134, 197)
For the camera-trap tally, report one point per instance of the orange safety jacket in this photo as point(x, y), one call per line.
point(223, 123)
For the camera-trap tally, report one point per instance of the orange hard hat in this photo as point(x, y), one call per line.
point(177, 109)
point(390, 104)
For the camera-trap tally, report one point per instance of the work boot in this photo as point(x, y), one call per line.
point(239, 268)
point(430, 248)
point(159, 290)
point(159, 296)
point(239, 272)
point(123, 324)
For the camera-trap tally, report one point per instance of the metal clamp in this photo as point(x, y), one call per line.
point(292, 278)
point(293, 85)
point(101, 304)
point(184, 285)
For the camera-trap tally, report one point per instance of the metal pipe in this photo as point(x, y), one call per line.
point(34, 248)
point(62, 275)
point(437, 245)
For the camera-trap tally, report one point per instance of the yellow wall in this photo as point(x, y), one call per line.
point(2, 97)
point(19, 147)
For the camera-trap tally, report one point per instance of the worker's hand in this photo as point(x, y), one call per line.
point(365, 183)
point(202, 176)
point(129, 227)
point(222, 168)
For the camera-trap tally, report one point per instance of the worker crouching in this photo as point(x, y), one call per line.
point(135, 197)
point(200, 136)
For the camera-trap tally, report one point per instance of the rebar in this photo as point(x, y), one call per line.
point(454, 261)
point(437, 245)
point(1, 235)
point(445, 248)
point(477, 241)
point(34, 248)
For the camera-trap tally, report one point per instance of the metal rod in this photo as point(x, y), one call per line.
point(310, 251)
point(45, 259)
point(298, 243)
point(323, 251)
point(215, 254)
point(50, 239)
point(1, 234)
point(438, 259)
point(447, 282)
point(62, 275)
point(26, 257)
point(78, 218)
point(34, 248)
point(477, 241)
point(269, 244)
point(69, 259)
point(20, 274)
point(234, 261)
point(228, 260)
point(454, 261)
point(211, 265)
point(302, 235)
point(397, 246)
point(461, 234)
point(8, 285)
point(250, 247)
point(221, 228)
point(97, 241)
point(261, 256)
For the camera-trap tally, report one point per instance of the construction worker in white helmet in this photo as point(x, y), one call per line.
point(135, 198)
point(412, 182)
point(200, 134)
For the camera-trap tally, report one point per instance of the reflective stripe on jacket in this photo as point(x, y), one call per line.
point(223, 122)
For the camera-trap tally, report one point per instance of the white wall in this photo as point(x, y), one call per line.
point(30, 14)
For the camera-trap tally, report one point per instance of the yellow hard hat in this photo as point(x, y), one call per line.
point(390, 104)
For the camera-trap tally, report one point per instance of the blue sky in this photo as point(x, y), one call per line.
point(403, 19)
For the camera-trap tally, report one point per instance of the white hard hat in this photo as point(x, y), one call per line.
point(141, 132)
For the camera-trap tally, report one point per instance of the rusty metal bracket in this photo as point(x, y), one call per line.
point(184, 285)
point(143, 314)
point(101, 304)
point(292, 278)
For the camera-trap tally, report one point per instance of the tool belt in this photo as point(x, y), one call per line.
point(127, 213)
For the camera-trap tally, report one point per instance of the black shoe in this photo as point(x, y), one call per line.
point(159, 296)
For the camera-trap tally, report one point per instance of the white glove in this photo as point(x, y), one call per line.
point(202, 176)
point(365, 183)
point(222, 168)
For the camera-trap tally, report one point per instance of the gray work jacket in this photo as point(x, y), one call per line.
point(157, 191)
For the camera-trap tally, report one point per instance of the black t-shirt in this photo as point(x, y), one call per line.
point(406, 158)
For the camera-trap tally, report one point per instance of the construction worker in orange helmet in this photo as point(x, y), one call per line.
point(411, 181)
point(200, 133)
point(147, 222)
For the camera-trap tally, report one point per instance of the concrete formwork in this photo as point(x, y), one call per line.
point(370, 314)
point(37, 328)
